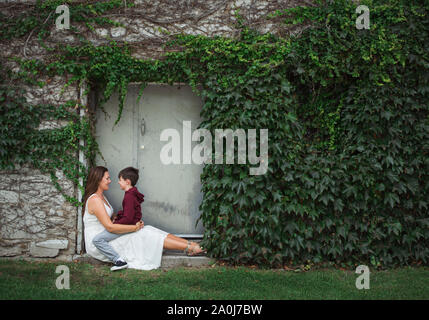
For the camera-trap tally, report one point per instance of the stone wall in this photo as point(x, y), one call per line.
point(35, 220)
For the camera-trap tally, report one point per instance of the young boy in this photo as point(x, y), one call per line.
point(131, 214)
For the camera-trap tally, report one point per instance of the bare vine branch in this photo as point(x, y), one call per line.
point(31, 33)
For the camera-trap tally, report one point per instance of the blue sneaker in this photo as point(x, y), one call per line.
point(119, 264)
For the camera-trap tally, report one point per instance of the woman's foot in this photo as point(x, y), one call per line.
point(194, 249)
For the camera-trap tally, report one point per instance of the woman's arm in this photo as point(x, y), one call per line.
point(96, 207)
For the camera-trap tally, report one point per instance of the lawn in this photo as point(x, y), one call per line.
point(36, 280)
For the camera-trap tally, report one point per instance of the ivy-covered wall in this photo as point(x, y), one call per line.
point(39, 126)
point(347, 113)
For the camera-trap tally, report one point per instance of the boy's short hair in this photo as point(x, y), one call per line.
point(130, 173)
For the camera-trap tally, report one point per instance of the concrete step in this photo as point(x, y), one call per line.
point(170, 259)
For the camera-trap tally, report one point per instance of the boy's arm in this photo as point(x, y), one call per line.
point(128, 211)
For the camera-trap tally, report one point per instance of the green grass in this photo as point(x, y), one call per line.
point(36, 280)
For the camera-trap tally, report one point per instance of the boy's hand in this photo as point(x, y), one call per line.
point(114, 216)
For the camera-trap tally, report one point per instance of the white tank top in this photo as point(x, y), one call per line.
point(90, 220)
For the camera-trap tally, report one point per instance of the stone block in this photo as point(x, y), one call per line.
point(52, 124)
point(64, 257)
point(54, 244)
point(40, 252)
point(56, 212)
point(10, 252)
point(9, 182)
point(58, 221)
point(118, 32)
point(14, 234)
point(39, 214)
point(36, 228)
point(180, 260)
point(10, 214)
point(101, 32)
point(57, 232)
point(8, 196)
point(34, 177)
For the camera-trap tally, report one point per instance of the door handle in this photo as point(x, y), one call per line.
point(142, 127)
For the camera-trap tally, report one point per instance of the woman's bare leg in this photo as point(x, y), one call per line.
point(172, 236)
point(172, 242)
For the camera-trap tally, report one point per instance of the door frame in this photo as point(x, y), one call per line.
point(83, 112)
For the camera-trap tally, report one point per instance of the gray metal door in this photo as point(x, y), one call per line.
point(172, 192)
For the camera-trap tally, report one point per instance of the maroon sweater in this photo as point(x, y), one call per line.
point(132, 211)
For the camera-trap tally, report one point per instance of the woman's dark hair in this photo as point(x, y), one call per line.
point(94, 177)
point(130, 173)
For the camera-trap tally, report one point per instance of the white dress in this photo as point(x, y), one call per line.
point(141, 250)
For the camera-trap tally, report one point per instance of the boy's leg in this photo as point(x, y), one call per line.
point(101, 242)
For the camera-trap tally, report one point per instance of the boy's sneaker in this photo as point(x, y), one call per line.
point(119, 264)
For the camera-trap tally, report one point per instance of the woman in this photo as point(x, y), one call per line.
point(142, 247)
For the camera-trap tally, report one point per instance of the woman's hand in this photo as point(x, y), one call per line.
point(139, 225)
